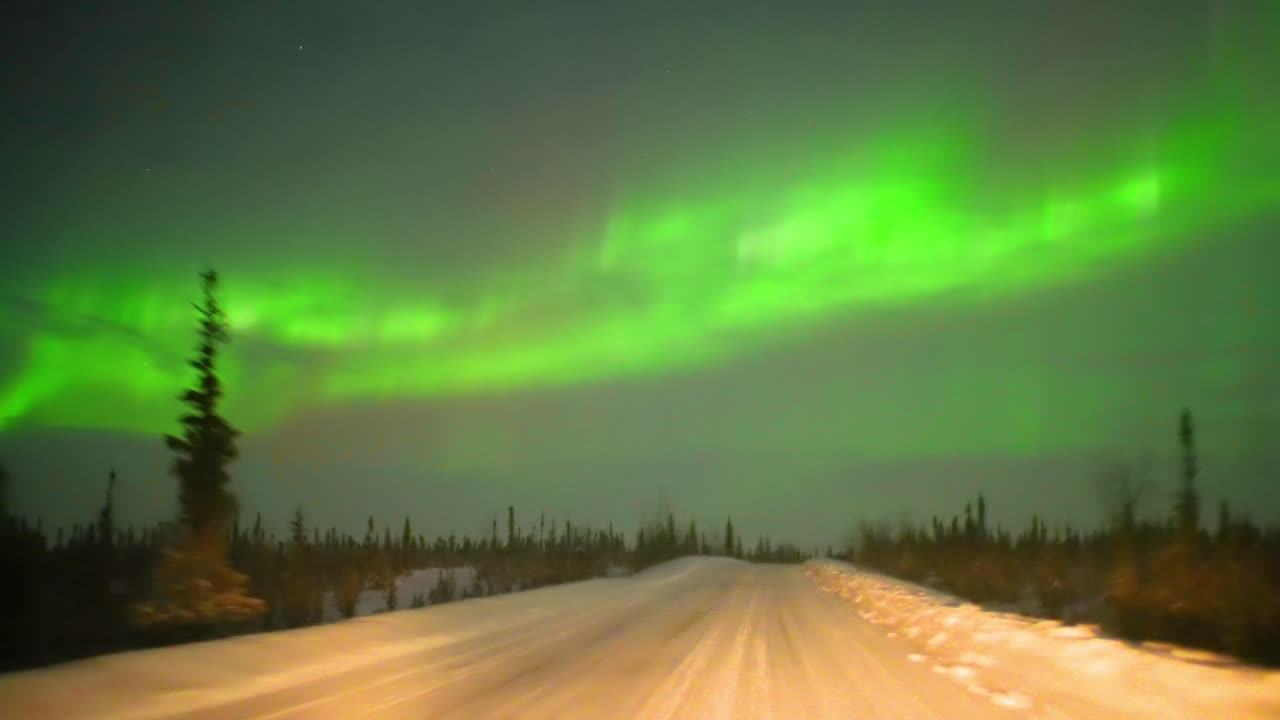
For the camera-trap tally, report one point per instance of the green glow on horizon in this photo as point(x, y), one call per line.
point(689, 281)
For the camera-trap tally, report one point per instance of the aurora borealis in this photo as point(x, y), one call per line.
point(538, 236)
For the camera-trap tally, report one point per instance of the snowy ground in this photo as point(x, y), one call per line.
point(412, 583)
point(1042, 665)
point(694, 638)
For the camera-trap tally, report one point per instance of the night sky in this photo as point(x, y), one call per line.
point(798, 262)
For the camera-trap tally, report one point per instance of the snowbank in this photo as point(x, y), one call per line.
point(1031, 663)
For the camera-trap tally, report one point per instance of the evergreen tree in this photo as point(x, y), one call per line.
point(1187, 501)
point(207, 444)
point(298, 528)
point(729, 546)
point(106, 516)
point(111, 604)
point(982, 517)
point(301, 598)
point(406, 546)
point(196, 583)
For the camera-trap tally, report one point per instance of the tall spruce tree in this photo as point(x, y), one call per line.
point(1187, 501)
point(110, 611)
point(106, 516)
point(196, 584)
point(207, 445)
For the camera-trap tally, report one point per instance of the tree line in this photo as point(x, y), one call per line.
point(79, 591)
point(1173, 579)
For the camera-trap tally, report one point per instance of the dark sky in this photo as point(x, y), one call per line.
point(799, 262)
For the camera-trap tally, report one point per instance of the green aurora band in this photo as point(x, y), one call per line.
point(904, 219)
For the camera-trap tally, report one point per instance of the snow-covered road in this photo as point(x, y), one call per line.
point(695, 638)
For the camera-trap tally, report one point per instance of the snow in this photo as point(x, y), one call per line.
point(692, 638)
point(1067, 670)
point(372, 601)
point(422, 581)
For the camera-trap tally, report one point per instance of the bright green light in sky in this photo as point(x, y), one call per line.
point(666, 282)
